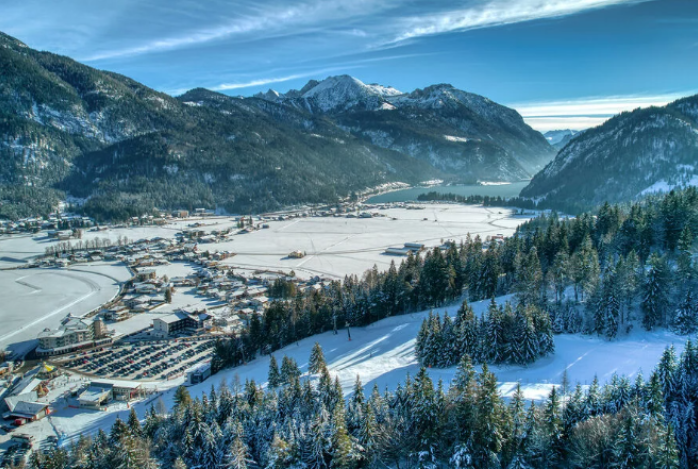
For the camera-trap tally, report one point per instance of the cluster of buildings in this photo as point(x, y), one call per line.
point(53, 223)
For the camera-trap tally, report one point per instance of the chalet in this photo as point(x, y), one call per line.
point(116, 314)
point(260, 302)
point(26, 411)
point(146, 274)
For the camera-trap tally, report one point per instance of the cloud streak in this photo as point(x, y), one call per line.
point(333, 17)
point(497, 13)
point(262, 22)
point(582, 113)
point(593, 106)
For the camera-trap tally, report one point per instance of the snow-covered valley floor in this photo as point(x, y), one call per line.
point(335, 246)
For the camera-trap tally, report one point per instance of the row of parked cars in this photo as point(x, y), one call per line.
point(143, 361)
point(15, 456)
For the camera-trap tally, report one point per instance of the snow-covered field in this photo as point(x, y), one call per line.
point(339, 246)
point(335, 246)
point(383, 353)
point(34, 299)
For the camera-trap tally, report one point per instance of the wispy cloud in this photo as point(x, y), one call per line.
point(356, 18)
point(262, 22)
point(543, 124)
point(582, 113)
point(496, 13)
point(593, 106)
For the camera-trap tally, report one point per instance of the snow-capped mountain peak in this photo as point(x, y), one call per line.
point(338, 91)
point(270, 95)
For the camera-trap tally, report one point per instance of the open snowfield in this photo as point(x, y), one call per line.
point(339, 246)
point(34, 299)
point(383, 353)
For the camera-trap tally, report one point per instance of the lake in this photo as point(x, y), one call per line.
point(404, 195)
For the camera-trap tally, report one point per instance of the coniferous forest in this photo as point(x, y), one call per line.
point(502, 336)
point(299, 422)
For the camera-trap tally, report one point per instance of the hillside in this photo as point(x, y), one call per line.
point(630, 155)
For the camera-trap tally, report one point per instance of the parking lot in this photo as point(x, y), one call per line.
point(15, 456)
point(141, 361)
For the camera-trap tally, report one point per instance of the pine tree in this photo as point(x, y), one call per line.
point(655, 295)
point(238, 455)
point(134, 424)
point(686, 320)
point(280, 454)
point(289, 370)
point(341, 449)
point(274, 376)
point(317, 359)
point(489, 427)
point(667, 454)
point(182, 399)
point(552, 428)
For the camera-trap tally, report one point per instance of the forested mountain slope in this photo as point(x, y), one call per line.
point(630, 155)
point(129, 149)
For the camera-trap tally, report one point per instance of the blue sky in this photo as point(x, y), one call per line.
point(561, 63)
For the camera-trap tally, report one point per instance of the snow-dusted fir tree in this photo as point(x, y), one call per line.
point(685, 320)
point(274, 376)
point(316, 363)
point(656, 297)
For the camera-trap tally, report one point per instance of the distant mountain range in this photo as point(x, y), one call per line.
point(559, 138)
point(126, 149)
point(631, 155)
